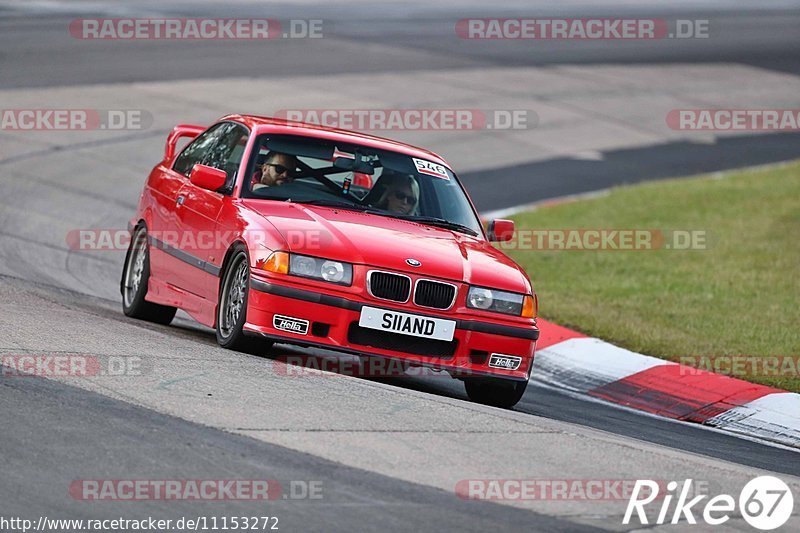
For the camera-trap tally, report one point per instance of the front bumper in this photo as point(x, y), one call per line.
point(333, 324)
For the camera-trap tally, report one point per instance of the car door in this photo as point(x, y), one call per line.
point(198, 209)
point(167, 262)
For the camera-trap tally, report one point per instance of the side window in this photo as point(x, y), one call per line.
point(226, 154)
point(196, 150)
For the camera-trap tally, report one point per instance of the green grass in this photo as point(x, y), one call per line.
point(740, 296)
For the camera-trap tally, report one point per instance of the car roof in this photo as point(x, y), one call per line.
point(259, 125)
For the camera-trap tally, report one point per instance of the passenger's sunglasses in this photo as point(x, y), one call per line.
point(403, 197)
point(280, 169)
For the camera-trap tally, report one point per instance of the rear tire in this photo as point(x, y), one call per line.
point(495, 392)
point(135, 277)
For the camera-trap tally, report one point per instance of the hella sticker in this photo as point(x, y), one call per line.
point(288, 323)
point(431, 169)
point(506, 362)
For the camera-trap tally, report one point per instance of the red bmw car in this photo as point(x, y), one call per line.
point(328, 238)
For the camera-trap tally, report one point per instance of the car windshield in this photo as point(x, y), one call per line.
point(383, 182)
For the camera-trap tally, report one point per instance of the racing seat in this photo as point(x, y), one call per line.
point(256, 177)
point(375, 193)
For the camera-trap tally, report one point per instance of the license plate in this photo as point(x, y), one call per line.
point(407, 324)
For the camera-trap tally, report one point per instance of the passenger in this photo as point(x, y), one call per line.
point(401, 195)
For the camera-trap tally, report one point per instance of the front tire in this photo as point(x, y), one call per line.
point(232, 306)
point(135, 277)
point(495, 392)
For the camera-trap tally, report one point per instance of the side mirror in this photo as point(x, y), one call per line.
point(501, 230)
point(208, 177)
point(184, 130)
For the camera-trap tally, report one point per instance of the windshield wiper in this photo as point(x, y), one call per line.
point(439, 222)
point(334, 203)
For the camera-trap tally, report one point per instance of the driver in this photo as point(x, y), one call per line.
point(278, 168)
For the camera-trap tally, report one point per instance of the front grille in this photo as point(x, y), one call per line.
point(388, 286)
point(400, 343)
point(434, 294)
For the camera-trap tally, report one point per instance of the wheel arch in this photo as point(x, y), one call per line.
point(131, 230)
point(236, 245)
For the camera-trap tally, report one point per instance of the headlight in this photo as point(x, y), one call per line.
point(509, 303)
point(301, 265)
point(323, 269)
point(333, 271)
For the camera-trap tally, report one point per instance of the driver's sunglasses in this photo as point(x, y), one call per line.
point(403, 197)
point(280, 169)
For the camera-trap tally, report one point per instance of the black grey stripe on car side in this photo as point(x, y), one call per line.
point(186, 257)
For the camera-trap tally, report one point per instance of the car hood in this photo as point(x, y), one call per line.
point(385, 243)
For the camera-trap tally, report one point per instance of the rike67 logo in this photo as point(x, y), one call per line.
point(766, 503)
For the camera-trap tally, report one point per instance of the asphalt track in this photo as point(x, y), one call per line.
point(388, 454)
point(65, 440)
point(369, 37)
